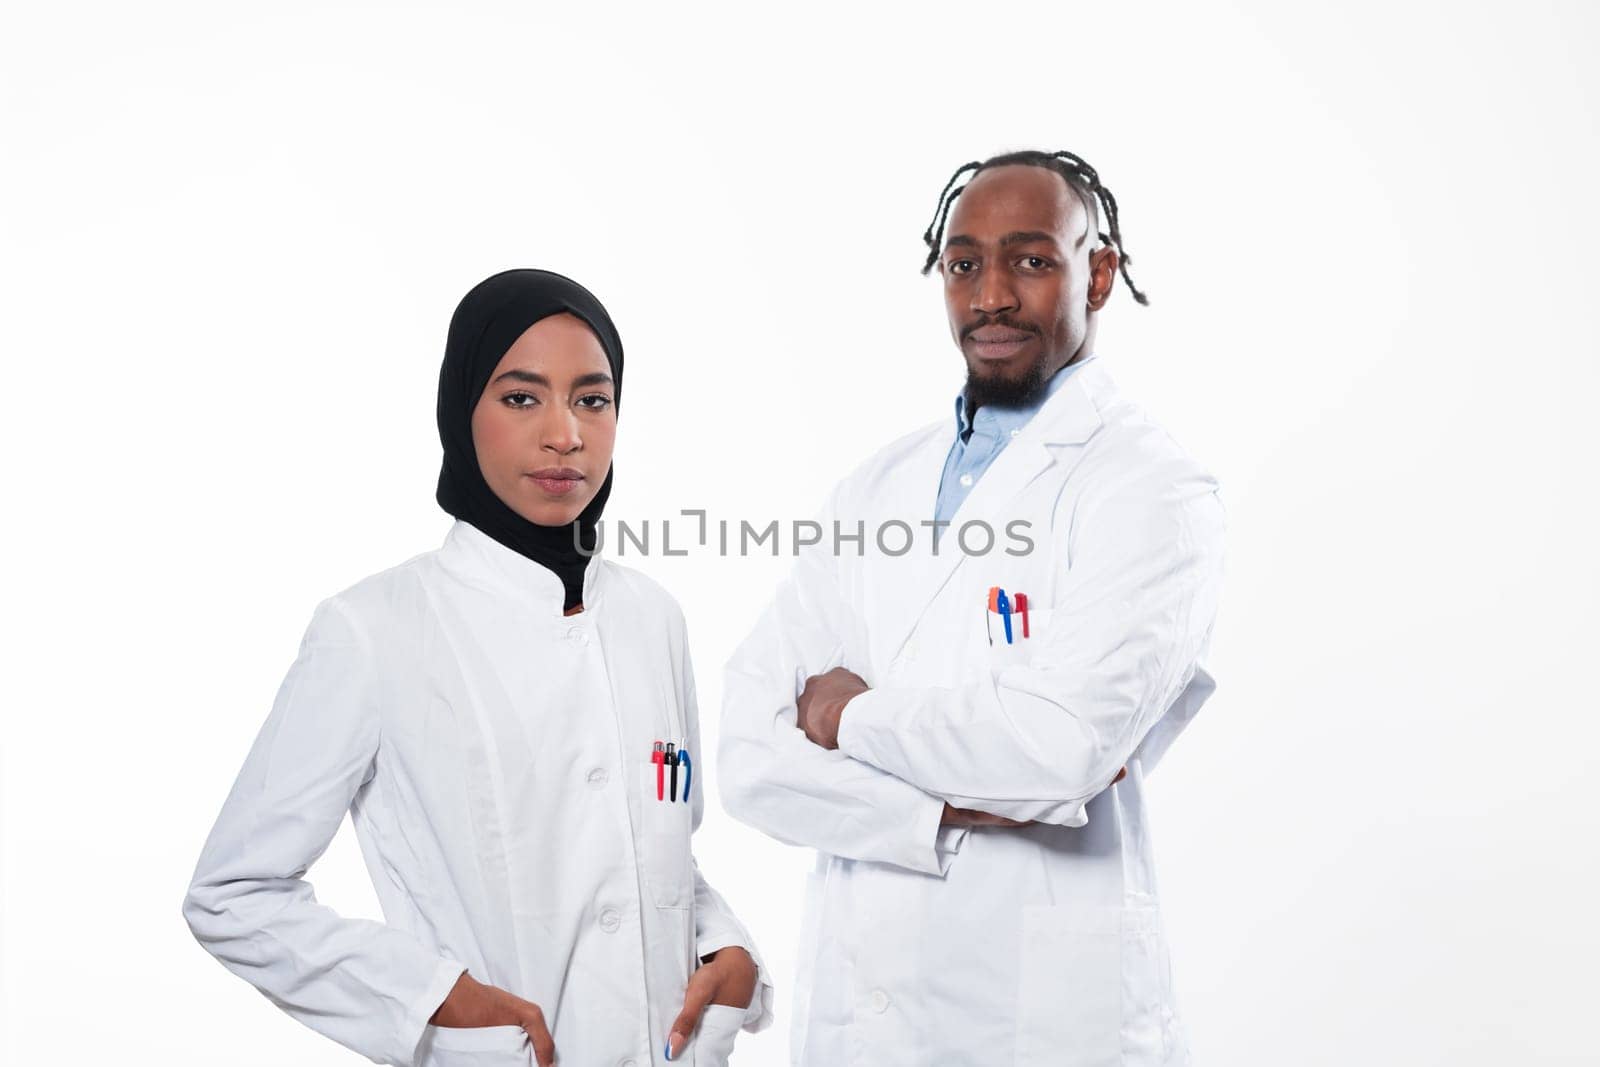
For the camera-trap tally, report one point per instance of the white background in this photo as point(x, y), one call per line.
point(233, 241)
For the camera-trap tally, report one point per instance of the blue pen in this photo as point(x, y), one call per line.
point(1005, 613)
point(688, 771)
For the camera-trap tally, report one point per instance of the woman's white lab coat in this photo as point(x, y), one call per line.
point(495, 758)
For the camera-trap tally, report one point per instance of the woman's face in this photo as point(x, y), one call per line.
point(546, 424)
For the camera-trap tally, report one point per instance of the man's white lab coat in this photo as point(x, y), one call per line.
point(925, 944)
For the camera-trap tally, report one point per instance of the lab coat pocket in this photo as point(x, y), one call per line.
point(1025, 643)
point(664, 844)
point(1076, 987)
point(713, 1039)
point(476, 1046)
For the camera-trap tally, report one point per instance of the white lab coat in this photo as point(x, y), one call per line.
point(1039, 945)
point(494, 757)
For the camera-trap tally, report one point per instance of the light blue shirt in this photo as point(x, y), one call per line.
point(980, 439)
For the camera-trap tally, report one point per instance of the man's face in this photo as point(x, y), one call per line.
point(1016, 271)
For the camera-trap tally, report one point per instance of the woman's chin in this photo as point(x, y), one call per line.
point(536, 508)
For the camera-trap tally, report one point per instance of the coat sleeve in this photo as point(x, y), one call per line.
point(362, 983)
point(774, 779)
point(1038, 739)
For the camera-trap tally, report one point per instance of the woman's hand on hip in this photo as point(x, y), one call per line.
point(728, 976)
point(472, 1004)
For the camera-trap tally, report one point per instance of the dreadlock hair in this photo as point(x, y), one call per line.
point(1080, 178)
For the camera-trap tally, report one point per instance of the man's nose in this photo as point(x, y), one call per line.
point(994, 293)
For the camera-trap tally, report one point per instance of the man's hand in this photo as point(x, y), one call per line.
point(822, 703)
point(473, 1004)
point(728, 976)
point(968, 817)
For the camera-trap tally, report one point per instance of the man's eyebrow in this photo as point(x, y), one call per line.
point(1016, 237)
point(1022, 237)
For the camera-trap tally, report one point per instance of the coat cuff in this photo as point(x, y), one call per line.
point(935, 843)
point(758, 1014)
point(433, 994)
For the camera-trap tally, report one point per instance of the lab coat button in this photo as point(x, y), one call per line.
point(610, 920)
point(966, 481)
point(911, 650)
point(1016, 433)
point(880, 1001)
point(577, 636)
point(598, 777)
point(630, 1063)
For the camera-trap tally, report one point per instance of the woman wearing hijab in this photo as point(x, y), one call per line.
point(510, 721)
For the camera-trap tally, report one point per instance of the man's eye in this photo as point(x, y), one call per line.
point(959, 266)
point(1036, 262)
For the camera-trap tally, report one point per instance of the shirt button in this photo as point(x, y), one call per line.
point(630, 1063)
point(577, 636)
point(1015, 433)
point(880, 1001)
point(966, 481)
point(911, 649)
point(598, 777)
point(610, 920)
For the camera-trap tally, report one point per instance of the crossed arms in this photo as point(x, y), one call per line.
point(1032, 742)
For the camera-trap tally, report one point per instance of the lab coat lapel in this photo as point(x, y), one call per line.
point(1051, 441)
point(900, 584)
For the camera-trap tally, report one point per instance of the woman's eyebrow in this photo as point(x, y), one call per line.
point(524, 376)
point(535, 378)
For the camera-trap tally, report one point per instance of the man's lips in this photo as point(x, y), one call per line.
point(997, 342)
point(557, 481)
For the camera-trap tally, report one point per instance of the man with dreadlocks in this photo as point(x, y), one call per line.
point(963, 732)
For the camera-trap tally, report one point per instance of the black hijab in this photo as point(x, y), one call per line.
point(487, 322)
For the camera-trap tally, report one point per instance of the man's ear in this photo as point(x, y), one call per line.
point(1102, 276)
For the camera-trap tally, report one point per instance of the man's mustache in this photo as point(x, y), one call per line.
point(1008, 323)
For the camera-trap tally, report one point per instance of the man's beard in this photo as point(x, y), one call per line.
point(1021, 391)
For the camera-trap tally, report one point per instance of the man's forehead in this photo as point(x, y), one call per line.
point(1018, 198)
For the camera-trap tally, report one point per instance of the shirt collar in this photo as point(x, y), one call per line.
point(489, 565)
point(1010, 418)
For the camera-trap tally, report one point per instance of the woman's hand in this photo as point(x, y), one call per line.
point(727, 977)
point(473, 1004)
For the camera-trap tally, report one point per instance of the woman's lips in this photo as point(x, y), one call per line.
point(557, 482)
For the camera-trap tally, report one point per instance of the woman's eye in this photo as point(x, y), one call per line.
point(595, 401)
point(515, 400)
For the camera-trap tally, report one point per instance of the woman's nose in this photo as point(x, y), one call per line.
point(560, 433)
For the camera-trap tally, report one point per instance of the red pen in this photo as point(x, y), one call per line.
point(1021, 602)
point(658, 756)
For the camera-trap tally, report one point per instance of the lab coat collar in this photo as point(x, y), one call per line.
point(485, 563)
point(1051, 441)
